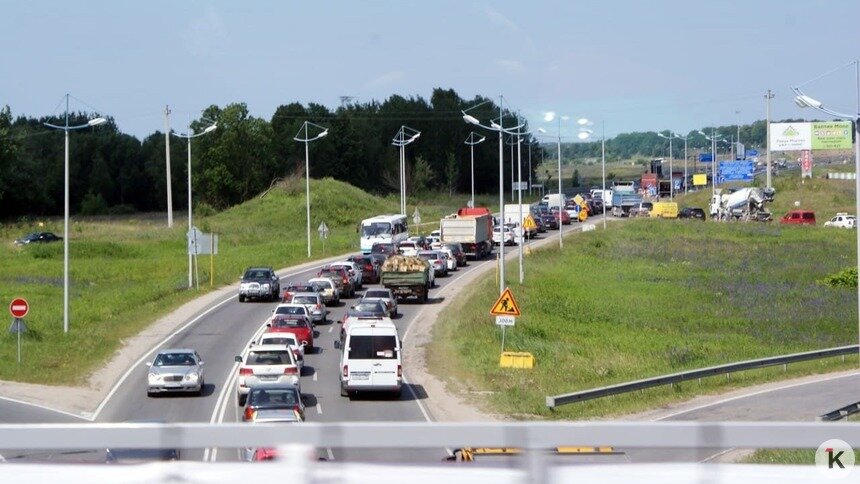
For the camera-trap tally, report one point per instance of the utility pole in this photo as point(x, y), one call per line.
point(167, 161)
point(767, 98)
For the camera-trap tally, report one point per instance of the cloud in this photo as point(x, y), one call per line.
point(511, 65)
point(383, 80)
point(204, 35)
point(497, 18)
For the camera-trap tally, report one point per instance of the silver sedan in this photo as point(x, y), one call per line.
point(175, 370)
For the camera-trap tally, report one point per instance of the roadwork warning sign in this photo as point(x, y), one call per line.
point(506, 305)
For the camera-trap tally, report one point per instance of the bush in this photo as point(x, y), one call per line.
point(93, 204)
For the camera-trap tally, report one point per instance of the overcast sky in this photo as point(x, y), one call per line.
point(637, 65)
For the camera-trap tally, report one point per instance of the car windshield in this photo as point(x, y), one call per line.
point(279, 340)
point(376, 293)
point(174, 359)
point(290, 310)
point(429, 255)
point(264, 397)
point(324, 284)
point(372, 347)
point(305, 300)
point(256, 275)
point(375, 229)
point(369, 307)
point(270, 357)
point(288, 323)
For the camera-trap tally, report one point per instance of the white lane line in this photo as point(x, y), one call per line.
point(329, 453)
point(315, 374)
point(753, 394)
point(211, 454)
point(43, 407)
point(330, 328)
point(2, 459)
point(174, 334)
point(319, 408)
point(146, 355)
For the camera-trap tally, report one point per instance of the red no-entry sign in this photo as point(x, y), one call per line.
point(19, 307)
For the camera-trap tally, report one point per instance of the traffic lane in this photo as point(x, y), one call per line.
point(321, 387)
point(794, 402)
point(17, 412)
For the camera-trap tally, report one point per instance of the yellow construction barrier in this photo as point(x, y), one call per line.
point(513, 359)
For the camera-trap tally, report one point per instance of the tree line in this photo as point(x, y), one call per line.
point(113, 172)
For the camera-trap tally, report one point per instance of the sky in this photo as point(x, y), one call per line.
point(627, 65)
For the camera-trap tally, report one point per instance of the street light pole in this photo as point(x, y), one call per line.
point(167, 162)
point(603, 168)
point(805, 101)
point(66, 128)
point(520, 203)
point(560, 208)
point(188, 137)
point(767, 98)
point(473, 140)
point(306, 140)
point(401, 141)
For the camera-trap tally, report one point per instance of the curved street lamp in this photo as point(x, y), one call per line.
point(306, 140)
point(188, 137)
point(713, 139)
point(404, 136)
point(66, 128)
point(584, 134)
point(472, 140)
point(804, 101)
point(499, 127)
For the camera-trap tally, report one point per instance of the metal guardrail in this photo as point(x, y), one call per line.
point(558, 400)
point(841, 413)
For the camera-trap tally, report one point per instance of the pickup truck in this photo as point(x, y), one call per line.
point(842, 220)
point(407, 276)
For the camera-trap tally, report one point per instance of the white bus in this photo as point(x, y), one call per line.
point(387, 229)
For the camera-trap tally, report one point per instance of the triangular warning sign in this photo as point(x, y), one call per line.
point(505, 305)
point(529, 223)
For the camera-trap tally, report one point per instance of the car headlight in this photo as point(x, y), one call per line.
point(154, 377)
point(192, 376)
point(264, 287)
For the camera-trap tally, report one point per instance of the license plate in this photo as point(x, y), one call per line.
point(360, 376)
point(268, 377)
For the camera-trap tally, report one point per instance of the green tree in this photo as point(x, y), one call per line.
point(452, 172)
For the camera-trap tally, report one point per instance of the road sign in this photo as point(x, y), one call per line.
point(506, 321)
point(521, 185)
point(323, 230)
point(529, 223)
point(18, 326)
point(19, 307)
point(506, 305)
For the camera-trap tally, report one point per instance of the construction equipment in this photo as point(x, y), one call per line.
point(743, 204)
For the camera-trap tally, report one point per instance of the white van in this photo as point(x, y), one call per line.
point(370, 358)
point(555, 200)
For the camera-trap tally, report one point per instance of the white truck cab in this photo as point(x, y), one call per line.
point(370, 358)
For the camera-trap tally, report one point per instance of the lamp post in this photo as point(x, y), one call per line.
point(306, 140)
point(686, 184)
point(190, 134)
point(473, 140)
point(167, 163)
point(671, 136)
point(804, 101)
point(584, 134)
point(404, 136)
point(713, 139)
point(66, 128)
point(768, 96)
point(499, 127)
point(549, 117)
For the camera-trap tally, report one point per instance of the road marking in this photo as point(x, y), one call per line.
point(43, 407)
point(753, 394)
point(330, 329)
point(315, 374)
point(319, 408)
point(329, 453)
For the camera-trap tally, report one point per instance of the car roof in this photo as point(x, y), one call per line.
point(291, 305)
point(265, 347)
point(176, 350)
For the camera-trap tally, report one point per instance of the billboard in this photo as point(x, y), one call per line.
point(735, 171)
point(705, 157)
point(832, 135)
point(700, 180)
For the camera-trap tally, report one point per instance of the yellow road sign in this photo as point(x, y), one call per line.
point(529, 223)
point(505, 305)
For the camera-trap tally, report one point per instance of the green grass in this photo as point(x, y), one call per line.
point(126, 273)
point(650, 297)
point(787, 456)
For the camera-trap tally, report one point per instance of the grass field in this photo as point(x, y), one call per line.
point(125, 273)
point(787, 456)
point(650, 297)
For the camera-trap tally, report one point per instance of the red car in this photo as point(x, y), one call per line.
point(295, 324)
point(799, 217)
point(565, 217)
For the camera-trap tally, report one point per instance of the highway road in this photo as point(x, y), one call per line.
point(224, 329)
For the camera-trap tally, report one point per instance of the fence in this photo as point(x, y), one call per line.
point(557, 400)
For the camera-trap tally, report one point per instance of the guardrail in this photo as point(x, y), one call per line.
point(558, 400)
point(841, 413)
